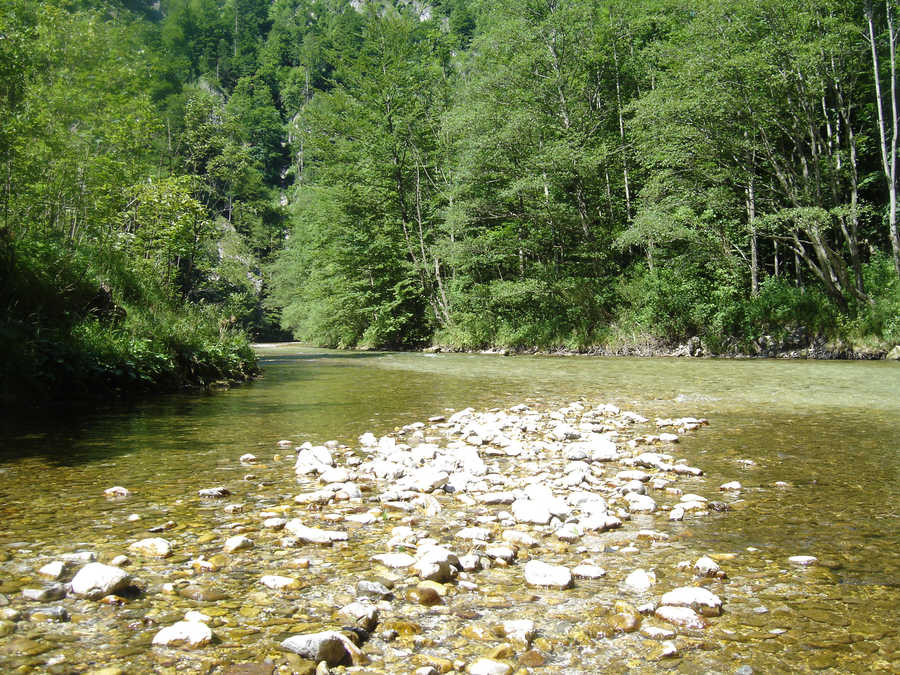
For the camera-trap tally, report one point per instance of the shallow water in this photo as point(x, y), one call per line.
point(830, 430)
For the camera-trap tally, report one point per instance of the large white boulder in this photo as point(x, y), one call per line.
point(96, 580)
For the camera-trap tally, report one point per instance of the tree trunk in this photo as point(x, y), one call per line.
point(888, 144)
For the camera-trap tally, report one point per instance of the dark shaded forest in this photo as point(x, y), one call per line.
point(180, 178)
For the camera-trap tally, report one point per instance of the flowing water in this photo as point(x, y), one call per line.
point(816, 446)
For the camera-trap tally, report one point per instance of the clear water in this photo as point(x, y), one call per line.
point(830, 430)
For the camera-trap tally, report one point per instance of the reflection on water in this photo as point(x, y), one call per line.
point(829, 430)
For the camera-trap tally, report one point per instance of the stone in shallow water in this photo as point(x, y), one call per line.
point(278, 583)
point(363, 614)
point(394, 560)
point(313, 535)
point(588, 571)
point(640, 581)
point(329, 646)
point(117, 491)
point(237, 543)
point(707, 567)
point(156, 547)
point(698, 599)
point(681, 616)
point(640, 503)
point(96, 580)
point(538, 573)
point(214, 492)
point(528, 511)
point(803, 559)
point(184, 634)
point(47, 594)
point(488, 667)
point(519, 538)
point(520, 630)
point(372, 589)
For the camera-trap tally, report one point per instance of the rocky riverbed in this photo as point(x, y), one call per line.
point(515, 540)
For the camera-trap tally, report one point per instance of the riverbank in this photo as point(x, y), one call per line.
point(765, 347)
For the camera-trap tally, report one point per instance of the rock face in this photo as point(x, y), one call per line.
point(328, 646)
point(539, 573)
point(184, 634)
point(96, 580)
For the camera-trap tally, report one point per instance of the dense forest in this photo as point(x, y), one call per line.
point(181, 177)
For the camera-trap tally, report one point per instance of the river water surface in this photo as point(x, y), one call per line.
point(829, 431)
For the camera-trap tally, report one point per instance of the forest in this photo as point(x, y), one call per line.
point(183, 177)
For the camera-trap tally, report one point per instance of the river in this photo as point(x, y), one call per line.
point(816, 446)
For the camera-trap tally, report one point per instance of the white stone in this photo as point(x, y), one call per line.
point(488, 667)
point(96, 580)
point(120, 561)
point(184, 634)
point(504, 553)
point(313, 535)
point(334, 475)
point(237, 543)
point(640, 503)
point(519, 538)
point(214, 492)
point(194, 615)
point(588, 571)
point(685, 470)
point(155, 547)
point(680, 616)
point(538, 573)
point(520, 630)
point(698, 599)
point(633, 474)
point(706, 567)
point(394, 560)
point(274, 523)
point(570, 532)
point(278, 583)
point(247, 458)
point(331, 647)
point(732, 485)
point(803, 559)
point(475, 533)
point(656, 633)
point(640, 581)
point(79, 556)
point(55, 570)
point(363, 614)
point(527, 511)
point(117, 491)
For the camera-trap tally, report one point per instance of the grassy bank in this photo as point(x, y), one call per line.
point(73, 328)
